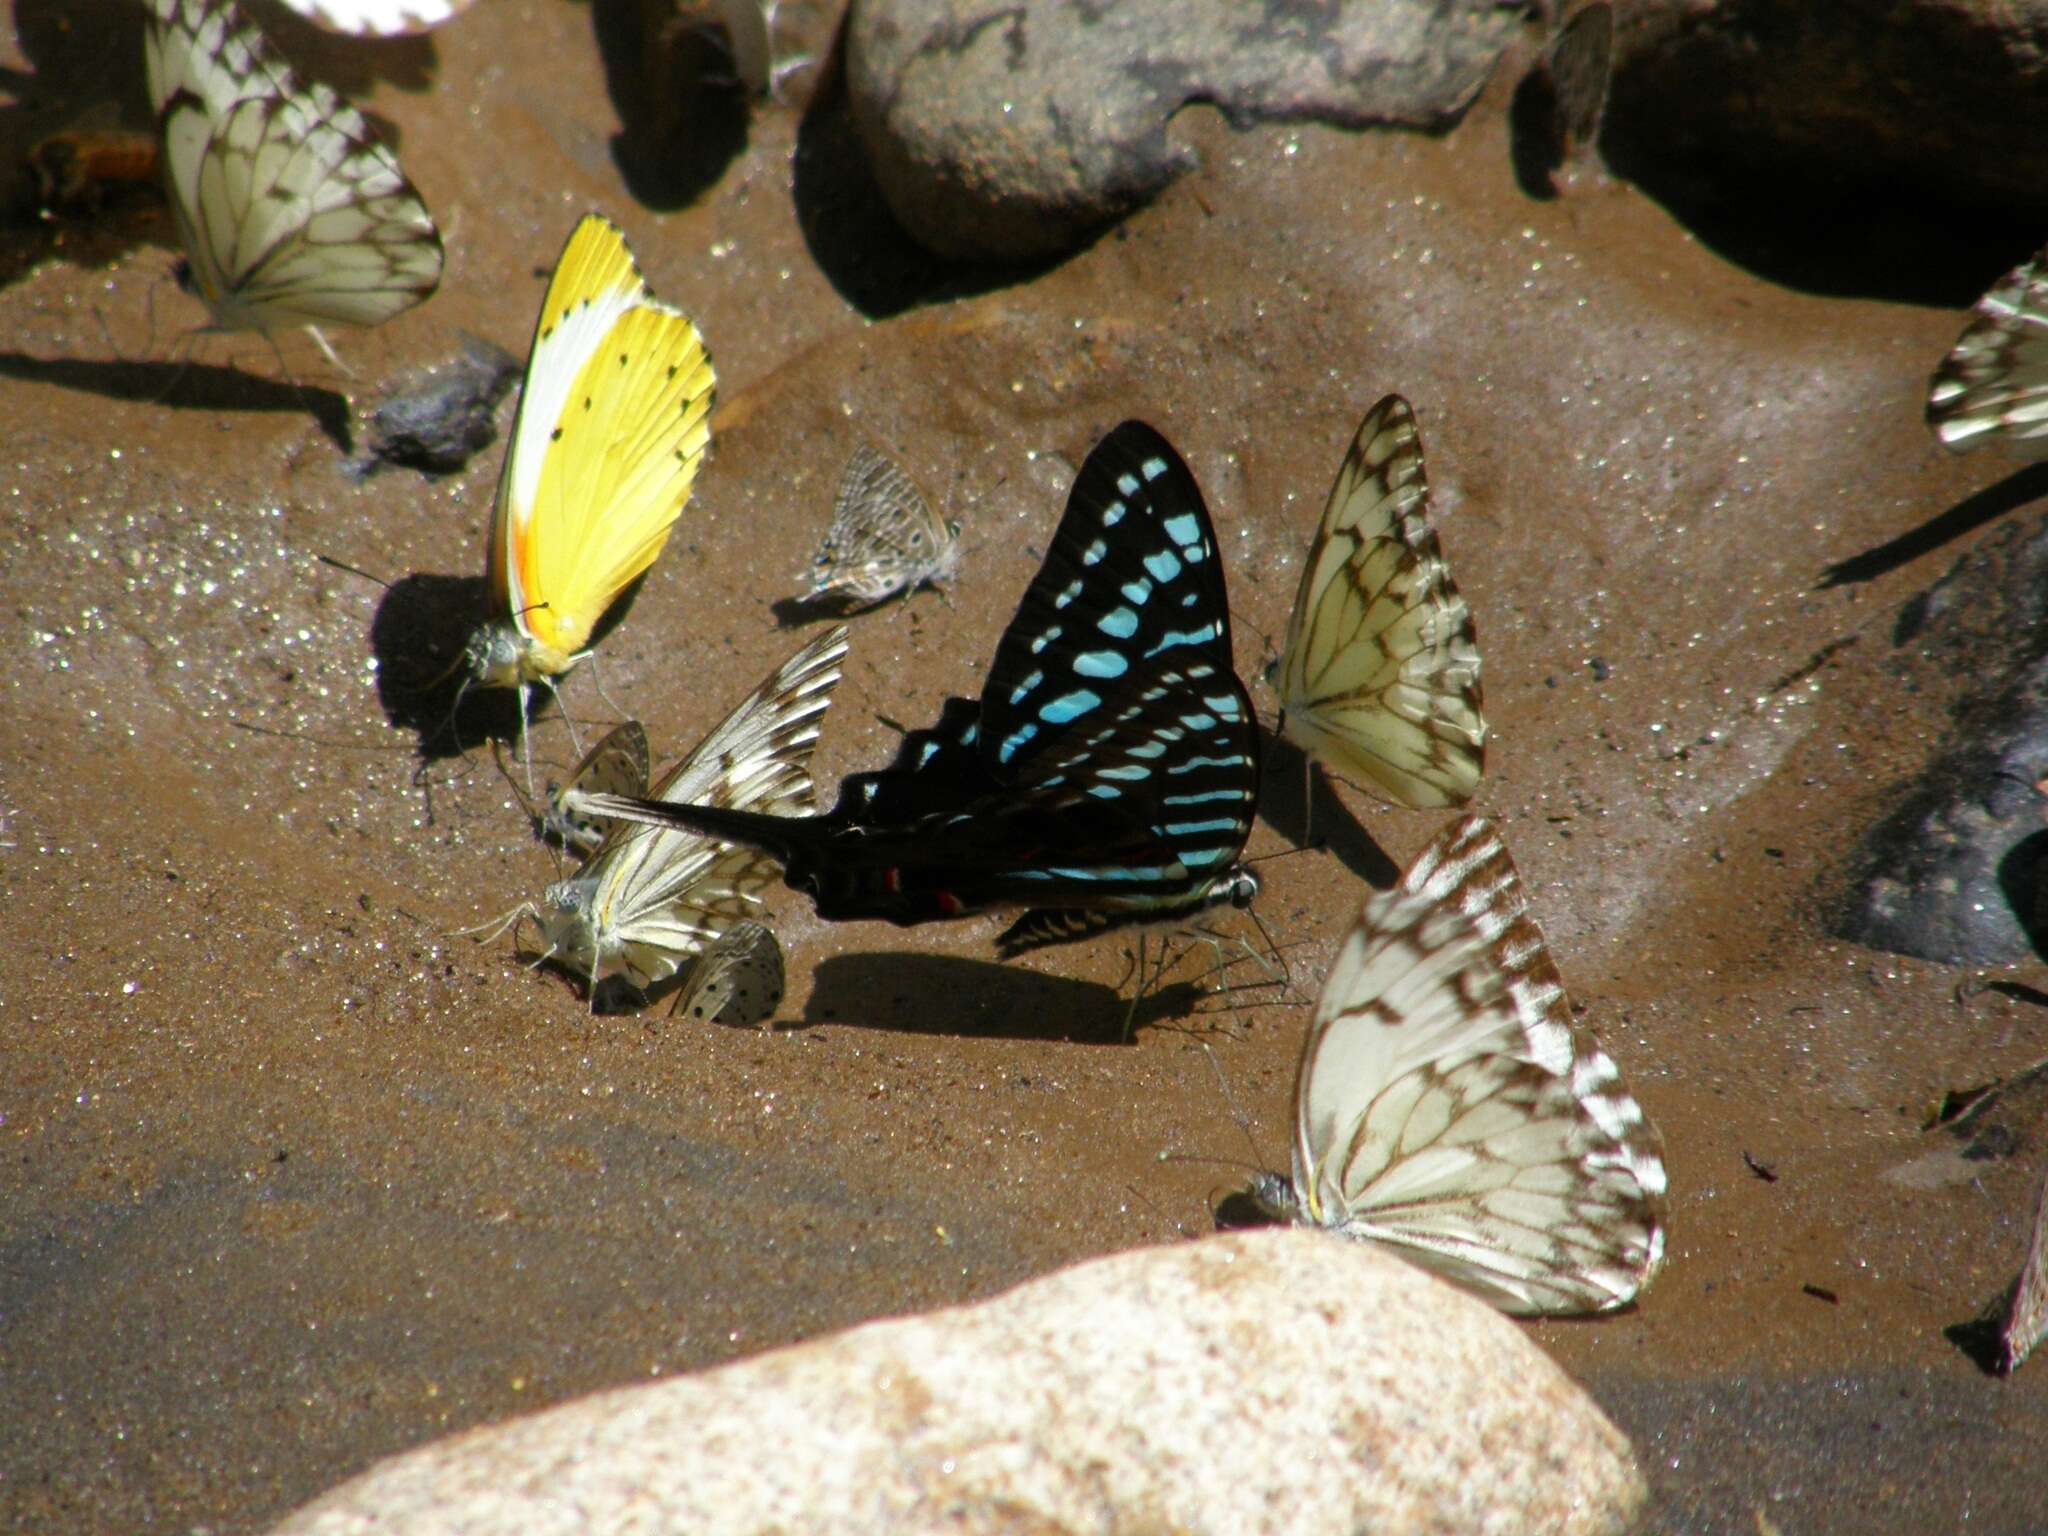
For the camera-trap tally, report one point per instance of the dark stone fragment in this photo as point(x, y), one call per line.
point(1958, 872)
point(439, 425)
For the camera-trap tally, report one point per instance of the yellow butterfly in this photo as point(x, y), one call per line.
point(1380, 675)
point(613, 422)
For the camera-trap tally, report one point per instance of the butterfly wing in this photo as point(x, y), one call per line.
point(2026, 1315)
point(738, 980)
point(1122, 748)
point(379, 18)
point(1380, 674)
point(289, 209)
point(612, 425)
point(1110, 767)
point(884, 537)
point(652, 896)
point(618, 765)
point(1994, 381)
point(1448, 1106)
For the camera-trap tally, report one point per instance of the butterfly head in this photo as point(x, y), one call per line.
point(1273, 1194)
point(1240, 887)
point(501, 654)
point(568, 923)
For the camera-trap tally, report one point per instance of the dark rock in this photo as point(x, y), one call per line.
point(442, 422)
point(1011, 131)
point(1795, 111)
point(1555, 117)
point(1958, 873)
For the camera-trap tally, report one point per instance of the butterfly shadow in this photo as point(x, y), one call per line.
point(683, 112)
point(958, 996)
point(2023, 485)
point(354, 66)
point(866, 254)
point(185, 386)
point(1297, 801)
point(1238, 1211)
point(417, 635)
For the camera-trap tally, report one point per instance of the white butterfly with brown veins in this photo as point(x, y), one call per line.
point(652, 898)
point(1449, 1109)
point(1994, 381)
point(290, 211)
point(1379, 678)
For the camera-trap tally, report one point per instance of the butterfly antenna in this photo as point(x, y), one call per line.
point(597, 677)
point(496, 926)
point(1236, 1113)
point(1286, 853)
point(1265, 639)
point(319, 741)
point(353, 570)
point(1180, 1230)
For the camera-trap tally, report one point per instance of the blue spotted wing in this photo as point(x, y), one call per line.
point(1109, 771)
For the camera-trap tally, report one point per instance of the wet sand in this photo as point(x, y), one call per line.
point(297, 1177)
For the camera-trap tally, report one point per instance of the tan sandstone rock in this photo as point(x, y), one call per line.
point(1257, 1381)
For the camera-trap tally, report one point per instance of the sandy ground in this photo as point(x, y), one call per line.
point(295, 1177)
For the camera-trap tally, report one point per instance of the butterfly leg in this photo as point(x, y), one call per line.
point(597, 677)
point(575, 741)
point(314, 332)
point(1138, 989)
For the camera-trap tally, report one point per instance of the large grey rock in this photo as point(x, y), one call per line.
point(1260, 1381)
point(1006, 131)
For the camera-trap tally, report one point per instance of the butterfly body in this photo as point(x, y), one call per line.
point(613, 422)
point(289, 210)
point(652, 897)
point(1379, 678)
point(1107, 774)
point(1448, 1106)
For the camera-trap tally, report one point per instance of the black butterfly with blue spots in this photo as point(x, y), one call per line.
point(1107, 775)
